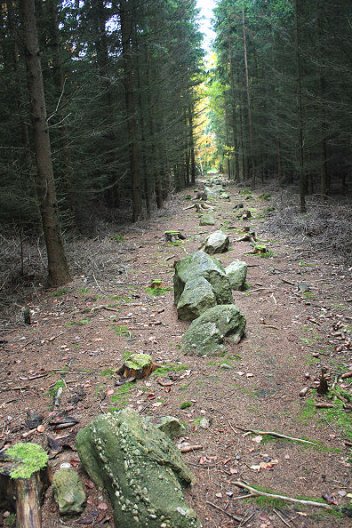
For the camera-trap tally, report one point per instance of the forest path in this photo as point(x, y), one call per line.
point(79, 333)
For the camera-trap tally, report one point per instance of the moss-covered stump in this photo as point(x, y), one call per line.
point(237, 274)
point(196, 298)
point(200, 264)
point(68, 491)
point(140, 468)
point(206, 334)
point(23, 474)
point(137, 366)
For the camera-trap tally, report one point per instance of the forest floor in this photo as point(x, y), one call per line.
point(298, 311)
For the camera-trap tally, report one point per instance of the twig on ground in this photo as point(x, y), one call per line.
point(271, 326)
point(103, 307)
point(98, 286)
point(276, 435)
point(234, 517)
point(190, 448)
point(246, 520)
point(55, 336)
point(288, 282)
point(281, 517)
point(282, 497)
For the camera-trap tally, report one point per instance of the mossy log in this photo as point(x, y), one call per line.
point(23, 475)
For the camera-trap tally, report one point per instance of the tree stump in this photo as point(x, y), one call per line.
point(137, 366)
point(173, 236)
point(23, 474)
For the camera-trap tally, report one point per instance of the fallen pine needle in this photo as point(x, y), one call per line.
point(234, 517)
point(281, 497)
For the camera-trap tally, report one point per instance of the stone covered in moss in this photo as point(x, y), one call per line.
point(207, 219)
point(140, 468)
point(217, 242)
point(237, 274)
point(206, 334)
point(171, 426)
point(68, 491)
point(27, 459)
point(196, 298)
point(199, 264)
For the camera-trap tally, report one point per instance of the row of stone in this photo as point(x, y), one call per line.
point(203, 294)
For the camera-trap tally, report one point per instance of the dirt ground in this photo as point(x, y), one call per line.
point(298, 311)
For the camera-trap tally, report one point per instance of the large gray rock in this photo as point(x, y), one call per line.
point(68, 491)
point(196, 298)
point(237, 274)
point(207, 219)
point(206, 334)
point(200, 264)
point(140, 468)
point(217, 242)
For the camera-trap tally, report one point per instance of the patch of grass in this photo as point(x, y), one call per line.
point(121, 396)
point(118, 238)
point(59, 384)
point(304, 264)
point(100, 389)
point(84, 291)
point(156, 292)
point(188, 197)
point(245, 390)
point(175, 243)
point(122, 331)
point(311, 361)
point(268, 503)
point(308, 295)
point(59, 292)
point(246, 192)
point(81, 322)
point(10, 521)
point(108, 372)
point(164, 370)
point(337, 415)
point(308, 412)
point(185, 405)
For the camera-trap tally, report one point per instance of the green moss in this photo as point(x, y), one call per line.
point(338, 416)
point(304, 264)
point(308, 295)
point(59, 384)
point(268, 503)
point(156, 292)
point(316, 445)
point(172, 367)
point(30, 458)
point(84, 291)
point(246, 192)
point(185, 405)
point(308, 412)
point(108, 372)
point(122, 395)
point(138, 361)
point(122, 331)
point(311, 361)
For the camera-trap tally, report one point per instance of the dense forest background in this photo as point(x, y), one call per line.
point(134, 112)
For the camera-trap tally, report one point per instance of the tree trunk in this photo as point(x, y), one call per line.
point(302, 172)
point(126, 15)
point(248, 93)
point(58, 272)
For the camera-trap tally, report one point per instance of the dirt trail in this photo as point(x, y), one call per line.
point(79, 333)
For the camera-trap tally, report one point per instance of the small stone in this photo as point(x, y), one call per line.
point(204, 423)
point(171, 426)
point(68, 491)
point(217, 242)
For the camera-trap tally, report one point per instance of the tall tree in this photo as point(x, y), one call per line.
point(58, 272)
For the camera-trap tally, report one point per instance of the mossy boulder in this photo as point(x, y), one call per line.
point(207, 219)
point(237, 274)
point(140, 468)
point(68, 491)
point(171, 426)
point(200, 264)
point(217, 242)
point(196, 298)
point(207, 334)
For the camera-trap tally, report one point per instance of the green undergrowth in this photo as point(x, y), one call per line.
point(108, 372)
point(59, 384)
point(335, 416)
point(59, 292)
point(121, 396)
point(185, 405)
point(118, 238)
point(164, 370)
